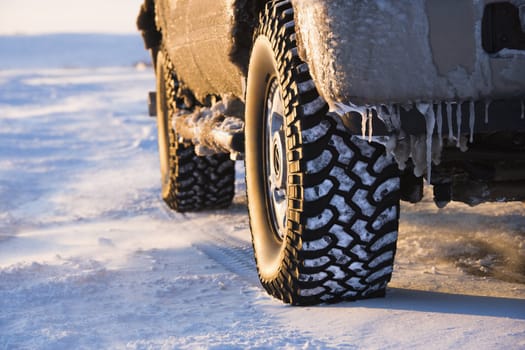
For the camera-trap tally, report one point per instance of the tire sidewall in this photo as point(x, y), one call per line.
point(163, 129)
point(269, 250)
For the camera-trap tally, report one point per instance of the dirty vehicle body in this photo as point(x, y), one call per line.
point(341, 109)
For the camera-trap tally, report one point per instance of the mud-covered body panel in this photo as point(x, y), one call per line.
point(199, 37)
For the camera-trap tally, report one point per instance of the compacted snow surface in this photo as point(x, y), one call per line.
point(90, 257)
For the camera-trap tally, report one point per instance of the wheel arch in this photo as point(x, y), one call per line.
point(246, 19)
point(146, 24)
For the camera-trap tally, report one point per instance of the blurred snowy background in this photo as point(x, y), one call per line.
point(62, 16)
point(90, 258)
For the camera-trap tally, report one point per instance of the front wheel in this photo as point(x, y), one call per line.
point(323, 205)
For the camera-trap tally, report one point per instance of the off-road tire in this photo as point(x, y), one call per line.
point(189, 182)
point(342, 192)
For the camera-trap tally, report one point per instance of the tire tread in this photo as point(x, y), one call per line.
point(196, 182)
point(330, 255)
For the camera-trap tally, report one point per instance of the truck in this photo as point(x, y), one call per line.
point(340, 109)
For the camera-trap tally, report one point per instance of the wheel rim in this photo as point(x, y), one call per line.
point(275, 159)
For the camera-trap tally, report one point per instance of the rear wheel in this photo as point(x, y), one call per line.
point(189, 182)
point(323, 205)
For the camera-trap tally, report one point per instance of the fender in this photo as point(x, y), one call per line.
point(209, 42)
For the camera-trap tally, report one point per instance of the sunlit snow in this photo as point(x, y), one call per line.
point(91, 258)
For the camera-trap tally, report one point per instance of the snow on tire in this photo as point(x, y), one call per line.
point(189, 182)
point(333, 236)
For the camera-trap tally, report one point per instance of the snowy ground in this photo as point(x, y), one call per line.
point(91, 258)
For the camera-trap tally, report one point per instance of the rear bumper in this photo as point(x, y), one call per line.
point(503, 115)
point(375, 52)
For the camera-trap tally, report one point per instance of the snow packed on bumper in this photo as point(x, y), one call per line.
point(377, 51)
point(423, 149)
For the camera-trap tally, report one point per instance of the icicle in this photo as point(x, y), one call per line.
point(440, 124)
point(389, 110)
point(402, 150)
point(418, 153)
point(431, 122)
point(472, 120)
point(423, 108)
point(381, 117)
point(436, 151)
point(390, 145)
point(364, 116)
point(342, 109)
point(397, 118)
point(487, 105)
point(458, 122)
point(427, 110)
point(449, 121)
point(393, 117)
point(384, 113)
point(370, 125)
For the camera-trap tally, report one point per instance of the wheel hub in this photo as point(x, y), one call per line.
point(278, 160)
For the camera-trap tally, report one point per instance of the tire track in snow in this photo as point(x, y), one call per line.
point(230, 252)
point(235, 255)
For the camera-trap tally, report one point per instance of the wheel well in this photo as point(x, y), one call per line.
point(246, 18)
point(150, 33)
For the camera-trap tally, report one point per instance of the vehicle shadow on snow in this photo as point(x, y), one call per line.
point(238, 259)
point(479, 244)
point(424, 301)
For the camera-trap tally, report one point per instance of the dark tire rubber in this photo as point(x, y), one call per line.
point(189, 182)
point(342, 192)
